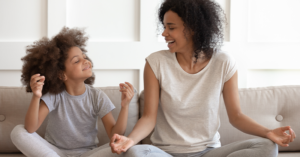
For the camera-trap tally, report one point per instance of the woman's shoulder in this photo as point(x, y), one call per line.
point(160, 54)
point(223, 56)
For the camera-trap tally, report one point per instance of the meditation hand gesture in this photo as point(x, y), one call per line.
point(119, 143)
point(127, 93)
point(280, 137)
point(36, 84)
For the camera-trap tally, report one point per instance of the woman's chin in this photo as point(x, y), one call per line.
point(172, 50)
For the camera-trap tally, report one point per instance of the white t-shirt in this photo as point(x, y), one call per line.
point(188, 113)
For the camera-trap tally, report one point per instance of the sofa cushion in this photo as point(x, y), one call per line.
point(14, 102)
point(271, 107)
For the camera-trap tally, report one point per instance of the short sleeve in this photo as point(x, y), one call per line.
point(230, 68)
point(153, 60)
point(49, 100)
point(104, 104)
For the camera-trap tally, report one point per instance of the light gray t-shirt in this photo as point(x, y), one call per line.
point(72, 120)
point(188, 113)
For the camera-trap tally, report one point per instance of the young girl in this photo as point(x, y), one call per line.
point(59, 74)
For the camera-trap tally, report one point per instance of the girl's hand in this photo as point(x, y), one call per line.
point(119, 143)
point(127, 93)
point(280, 137)
point(36, 84)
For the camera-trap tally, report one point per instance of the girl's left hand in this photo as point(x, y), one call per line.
point(280, 137)
point(127, 93)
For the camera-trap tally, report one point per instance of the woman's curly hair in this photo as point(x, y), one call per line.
point(47, 57)
point(205, 18)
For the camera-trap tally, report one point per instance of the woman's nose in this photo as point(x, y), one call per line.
point(164, 33)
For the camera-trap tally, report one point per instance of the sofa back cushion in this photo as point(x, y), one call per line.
point(271, 107)
point(14, 102)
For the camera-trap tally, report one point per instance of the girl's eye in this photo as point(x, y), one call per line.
point(171, 28)
point(77, 61)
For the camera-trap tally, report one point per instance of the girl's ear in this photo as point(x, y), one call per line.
point(62, 76)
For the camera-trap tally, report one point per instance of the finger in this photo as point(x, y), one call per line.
point(283, 145)
point(127, 87)
point(292, 133)
point(35, 75)
point(37, 86)
point(36, 79)
point(42, 79)
point(113, 138)
point(287, 139)
point(130, 85)
point(285, 128)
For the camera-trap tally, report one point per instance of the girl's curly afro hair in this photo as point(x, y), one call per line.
point(205, 18)
point(47, 58)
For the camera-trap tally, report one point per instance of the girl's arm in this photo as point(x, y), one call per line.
point(246, 124)
point(108, 120)
point(37, 110)
point(146, 123)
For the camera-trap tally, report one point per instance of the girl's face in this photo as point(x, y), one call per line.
point(77, 65)
point(178, 39)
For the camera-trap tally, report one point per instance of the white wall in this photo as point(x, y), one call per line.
point(262, 35)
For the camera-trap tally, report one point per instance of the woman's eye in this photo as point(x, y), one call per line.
point(171, 28)
point(77, 61)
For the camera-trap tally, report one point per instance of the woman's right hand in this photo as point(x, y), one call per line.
point(119, 143)
point(36, 84)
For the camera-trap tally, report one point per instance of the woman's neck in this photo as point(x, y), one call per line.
point(75, 88)
point(188, 64)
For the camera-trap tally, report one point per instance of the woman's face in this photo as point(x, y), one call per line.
point(178, 39)
point(77, 65)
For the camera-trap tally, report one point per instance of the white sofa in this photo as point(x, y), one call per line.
point(270, 106)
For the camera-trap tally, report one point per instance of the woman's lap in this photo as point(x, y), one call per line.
point(259, 147)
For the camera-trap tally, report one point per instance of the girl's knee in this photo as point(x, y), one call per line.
point(17, 130)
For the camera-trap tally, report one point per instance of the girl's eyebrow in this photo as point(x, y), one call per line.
point(73, 57)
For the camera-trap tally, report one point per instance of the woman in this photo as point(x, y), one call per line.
point(183, 86)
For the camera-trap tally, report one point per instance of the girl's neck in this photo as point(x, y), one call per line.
point(75, 88)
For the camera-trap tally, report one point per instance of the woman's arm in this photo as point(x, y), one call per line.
point(37, 110)
point(146, 123)
point(246, 124)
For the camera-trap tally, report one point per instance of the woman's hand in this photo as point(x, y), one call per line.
point(119, 143)
point(127, 93)
point(36, 85)
point(280, 137)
